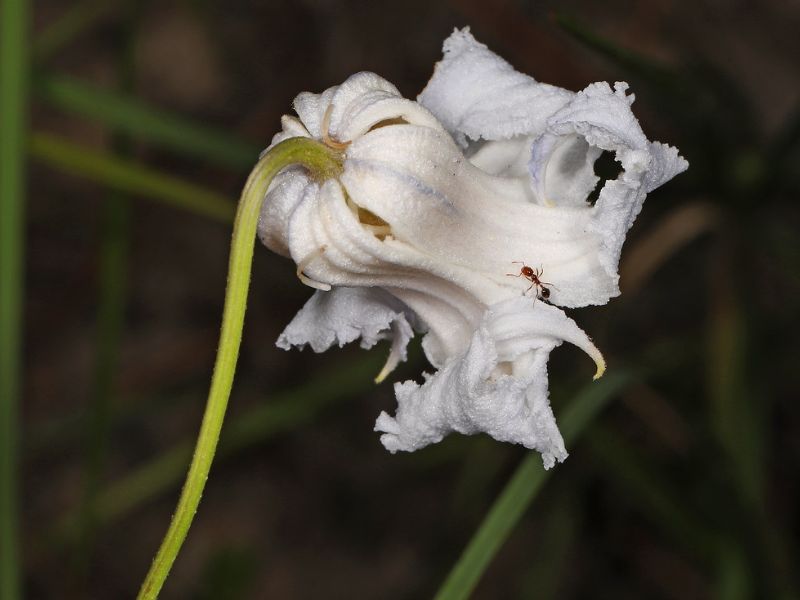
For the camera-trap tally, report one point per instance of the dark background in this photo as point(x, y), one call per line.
point(687, 485)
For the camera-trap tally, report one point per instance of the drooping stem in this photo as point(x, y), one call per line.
point(323, 163)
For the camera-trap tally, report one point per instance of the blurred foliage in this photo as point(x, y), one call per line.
point(686, 485)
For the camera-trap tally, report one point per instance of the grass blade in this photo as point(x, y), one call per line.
point(14, 20)
point(126, 114)
point(641, 482)
point(129, 177)
point(76, 20)
point(522, 488)
point(110, 324)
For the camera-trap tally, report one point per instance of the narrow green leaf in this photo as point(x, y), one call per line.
point(110, 322)
point(737, 421)
point(76, 20)
point(642, 483)
point(129, 177)
point(545, 577)
point(129, 115)
point(698, 95)
point(14, 23)
point(631, 61)
point(522, 488)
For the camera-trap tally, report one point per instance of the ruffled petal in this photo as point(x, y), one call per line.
point(478, 95)
point(420, 233)
point(558, 135)
point(498, 386)
point(344, 315)
point(562, 160)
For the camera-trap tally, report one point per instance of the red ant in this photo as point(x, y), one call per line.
point(542, 291)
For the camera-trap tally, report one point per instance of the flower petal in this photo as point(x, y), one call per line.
point(498, 386)
point(480, 225)
point(361, 102)
point(365, 100)
point(285, 193)
point(326, 227)
point(478, 95)
point(562, 159)
point(345, 314)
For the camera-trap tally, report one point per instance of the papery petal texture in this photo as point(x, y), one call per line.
point(478, 95)
point(498, 386)
point(344, 314)
point(551, 138)
point(443, 210)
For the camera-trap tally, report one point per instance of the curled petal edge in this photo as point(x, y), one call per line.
point(498, 386)
point(343, 315)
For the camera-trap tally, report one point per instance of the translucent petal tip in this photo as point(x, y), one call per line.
point(601, 364)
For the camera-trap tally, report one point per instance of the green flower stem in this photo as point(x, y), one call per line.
point(288, 410)
point(323, 163)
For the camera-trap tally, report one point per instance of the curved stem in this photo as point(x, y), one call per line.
point(323, 163)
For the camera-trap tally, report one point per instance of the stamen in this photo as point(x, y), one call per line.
point(369, 221)
point(395, 355)
point(301, 266)
point(378, 230)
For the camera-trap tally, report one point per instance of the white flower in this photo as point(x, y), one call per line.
point(439, 202)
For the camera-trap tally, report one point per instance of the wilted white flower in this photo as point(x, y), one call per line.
point(439, 201)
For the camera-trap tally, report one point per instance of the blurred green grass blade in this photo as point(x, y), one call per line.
point(546, 576)
point(698, 94)
point(782, 158)
point(733, 415)
point(733, 577)
point(230, 573)
point(631, 61)
point(76, 20)
point(739, 411)
point(129, 177)
point(522, 488)
point(110, 323)
point(14, 23)
point(126, 114)
point(112, 295)
point(641, 483)
point(286, 411)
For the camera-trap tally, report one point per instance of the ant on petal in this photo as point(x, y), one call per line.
point(533, 275)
